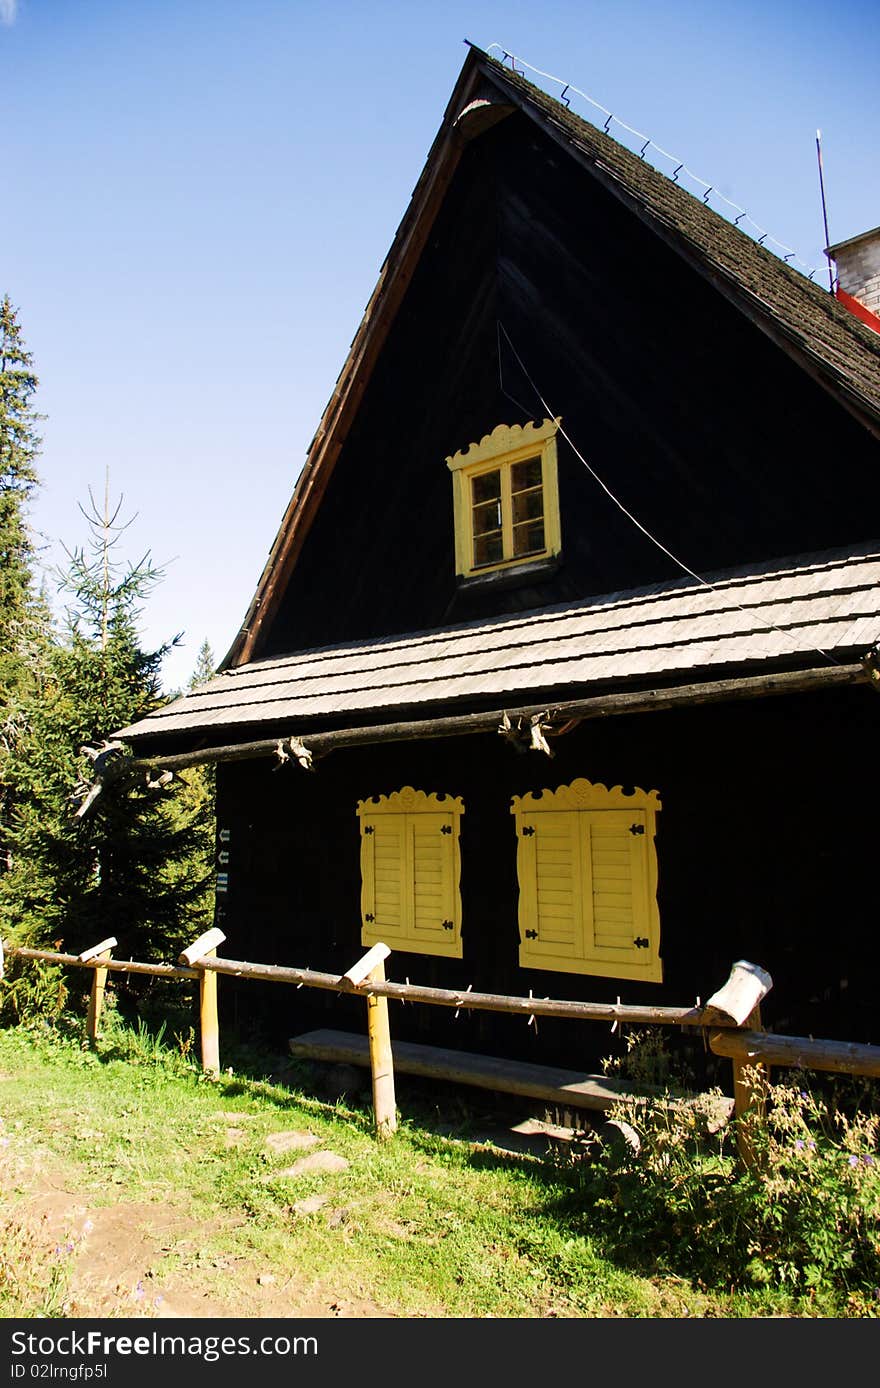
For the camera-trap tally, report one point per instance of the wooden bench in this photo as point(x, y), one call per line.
point(565, 1088)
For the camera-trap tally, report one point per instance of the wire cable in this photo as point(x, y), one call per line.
point(762, 235)
point(704, 582)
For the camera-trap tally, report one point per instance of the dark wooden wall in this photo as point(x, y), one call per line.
point(766, 847)
point(723, 448)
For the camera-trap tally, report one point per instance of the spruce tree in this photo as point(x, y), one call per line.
point(138, 865)
point(19, 450)
point(23, 614)
point(205, 666)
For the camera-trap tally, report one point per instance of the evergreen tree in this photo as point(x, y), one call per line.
point(205, 666)
point(19, 450)
point(138, 865)
point(23, 615)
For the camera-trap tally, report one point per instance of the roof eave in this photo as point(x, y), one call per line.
point(318, 736)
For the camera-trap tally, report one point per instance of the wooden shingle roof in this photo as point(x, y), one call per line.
point(779, 616)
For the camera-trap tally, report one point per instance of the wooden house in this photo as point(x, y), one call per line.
point(559, 676)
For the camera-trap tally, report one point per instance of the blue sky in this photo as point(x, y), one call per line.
point(200, 195)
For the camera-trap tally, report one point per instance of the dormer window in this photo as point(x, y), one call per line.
point(506, 499)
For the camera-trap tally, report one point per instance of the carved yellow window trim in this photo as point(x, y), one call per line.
point(411, 872)
point(506, 514)
point(587, 869)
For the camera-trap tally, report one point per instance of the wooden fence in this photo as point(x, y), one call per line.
point(730, 1020)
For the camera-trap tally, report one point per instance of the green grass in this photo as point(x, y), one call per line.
point(421, 1225)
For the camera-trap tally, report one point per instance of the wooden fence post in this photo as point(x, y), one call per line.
point(371, 968)
point(209, 1026)
point(750, 1078)
point(739, 1001)
point(99, 982)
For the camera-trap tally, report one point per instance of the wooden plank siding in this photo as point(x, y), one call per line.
point(667, 390)
point(749, 792)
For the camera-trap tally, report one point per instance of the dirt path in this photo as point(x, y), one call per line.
point(109, 1252)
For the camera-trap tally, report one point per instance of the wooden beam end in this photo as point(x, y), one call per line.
point(202, 946)
point(360, 971)
point(103, 948)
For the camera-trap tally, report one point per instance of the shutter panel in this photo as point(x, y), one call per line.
point(432, 841)
point(611, 850)
point(551, 890)
point(383, 875)
point(620, 931)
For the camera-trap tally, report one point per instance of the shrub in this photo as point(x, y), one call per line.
point(804, 1216)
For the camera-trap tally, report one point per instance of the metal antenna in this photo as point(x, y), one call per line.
point(824, 208)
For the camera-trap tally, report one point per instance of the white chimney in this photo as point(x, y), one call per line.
point(858, 271)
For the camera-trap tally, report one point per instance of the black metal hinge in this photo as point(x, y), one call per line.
point(640, 942)
point(369, 829)
point(369, 916)
point(531, 934)
point(528, 831)
point(637, 828)
point(445, 828)
point(447, 925)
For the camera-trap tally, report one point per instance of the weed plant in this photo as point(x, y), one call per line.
point(803, 1214)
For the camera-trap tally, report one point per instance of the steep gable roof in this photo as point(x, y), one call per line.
point(803, 320)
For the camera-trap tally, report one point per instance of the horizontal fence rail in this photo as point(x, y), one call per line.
point(730, 1019)
point(119, 966)
point(450, 997)
point(798, 1052)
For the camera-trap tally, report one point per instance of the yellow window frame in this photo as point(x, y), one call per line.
point(499, 451)
point(411, 872)
point(587, 872)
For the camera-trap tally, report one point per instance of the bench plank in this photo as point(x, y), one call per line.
point(565, 1087)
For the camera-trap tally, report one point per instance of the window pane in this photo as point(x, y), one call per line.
point(486, 487)
point(528, 538)
point(528, 505)
point(488, 549)
point(527, 474)
point(487, 517)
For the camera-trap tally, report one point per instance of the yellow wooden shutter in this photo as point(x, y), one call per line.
point(587, 871)
point(410, 871)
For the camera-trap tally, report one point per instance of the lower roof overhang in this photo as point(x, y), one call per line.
point(531, 724)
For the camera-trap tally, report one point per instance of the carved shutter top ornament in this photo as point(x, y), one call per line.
point(586, 795)
point(410, 801)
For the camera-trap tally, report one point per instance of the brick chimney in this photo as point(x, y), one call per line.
point(858, 275)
